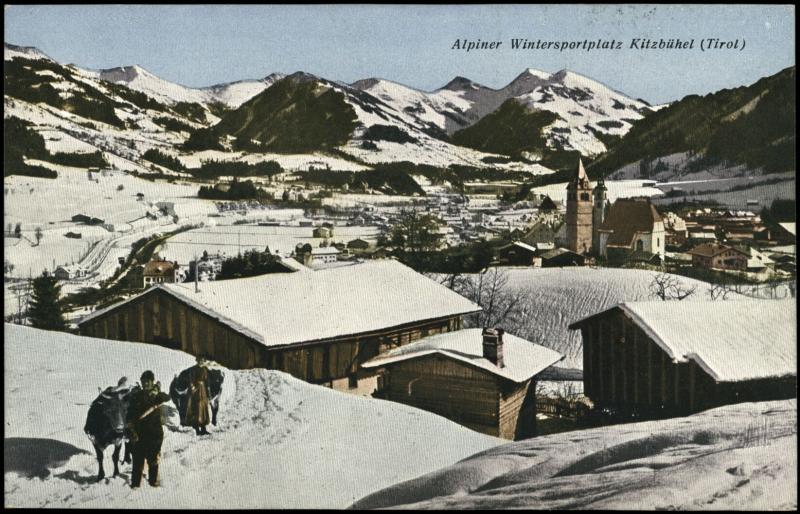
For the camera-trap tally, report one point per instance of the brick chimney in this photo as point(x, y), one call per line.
point(493, 345)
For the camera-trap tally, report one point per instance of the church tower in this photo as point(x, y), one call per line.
point(579, 212)
point(599, 212)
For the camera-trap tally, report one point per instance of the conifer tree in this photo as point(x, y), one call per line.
point(45, 310)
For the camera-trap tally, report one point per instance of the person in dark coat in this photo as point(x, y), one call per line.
point(144, 428)
point(197, 406)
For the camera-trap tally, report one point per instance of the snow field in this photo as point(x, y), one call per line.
point(280, 443)
point(734, 457)
point(556, 297)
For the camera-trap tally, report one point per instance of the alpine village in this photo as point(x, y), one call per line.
point(619, 275)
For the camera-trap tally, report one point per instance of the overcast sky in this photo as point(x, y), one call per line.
point(203, 45)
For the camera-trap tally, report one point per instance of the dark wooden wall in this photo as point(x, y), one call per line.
point(159, 318)
point(626, 371)
point(467, 395)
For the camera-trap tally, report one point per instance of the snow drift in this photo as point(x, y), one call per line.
point(280, 443)
point(735, 457)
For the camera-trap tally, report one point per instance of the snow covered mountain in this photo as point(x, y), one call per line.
point(390, 122)
point(231, 94)
point(25, 52)
point(586, 110)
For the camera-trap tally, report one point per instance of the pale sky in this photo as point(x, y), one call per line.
point(202, 45)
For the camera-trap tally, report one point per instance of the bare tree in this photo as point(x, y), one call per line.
point(668, 287)
point(719, 291)
point(490, 289)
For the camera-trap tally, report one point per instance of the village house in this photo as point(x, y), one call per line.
point(560, 257)
point(540, 232)
point(159, 272)
point(517, 254)
point(322, 232)
point(718, 256)
point(660, 359)
point(357, 244)
point(318, 326)
point(69, 272)
point(483, 379)
point(675, 231)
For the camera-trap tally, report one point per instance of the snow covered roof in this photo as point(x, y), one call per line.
point(328, 250)
point(289, 308)
point(525, 246)
point(628, 217)
point(789, 227)
point(712, 250)
point(732, 341)
point(523, 359)
point(158, 268)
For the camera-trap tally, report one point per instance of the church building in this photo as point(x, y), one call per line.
point(630, 227)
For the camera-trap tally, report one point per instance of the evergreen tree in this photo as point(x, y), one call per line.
point(45, 308)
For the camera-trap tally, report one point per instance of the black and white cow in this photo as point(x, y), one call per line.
point(179, 392)
point(105, 425)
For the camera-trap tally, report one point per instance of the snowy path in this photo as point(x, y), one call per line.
point(280, 443)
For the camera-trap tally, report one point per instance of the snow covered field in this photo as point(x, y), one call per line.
point(50, 204)
point(616, 189)
point(738, 457)
point(556, 297)
point(280, 443)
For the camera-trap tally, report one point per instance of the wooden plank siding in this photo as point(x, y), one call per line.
point(440, 385)
point(163, 319)
point(467, 395)
point(625, 371)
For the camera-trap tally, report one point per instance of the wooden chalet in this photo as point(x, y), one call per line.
point(657, 359)
point(318, 326)
point(482, 379)
point(517, 253)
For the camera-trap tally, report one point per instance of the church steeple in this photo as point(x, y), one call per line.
point(579, 212)
point(581, 179)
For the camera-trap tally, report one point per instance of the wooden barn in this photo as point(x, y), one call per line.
point(482, 379)
point(318, 326)
point(656, 359)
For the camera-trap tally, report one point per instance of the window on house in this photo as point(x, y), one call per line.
point(640, 245)
point(352, 380)
point(584, 196)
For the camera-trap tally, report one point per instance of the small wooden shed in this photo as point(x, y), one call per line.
point(482, 379)
point(658, 359)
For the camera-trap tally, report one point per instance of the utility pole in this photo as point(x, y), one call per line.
point(196, 274)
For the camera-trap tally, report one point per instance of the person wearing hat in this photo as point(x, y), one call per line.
point(144, 428)
point(197, 406)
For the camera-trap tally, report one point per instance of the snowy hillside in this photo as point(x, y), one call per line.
point(280, 443)
point(737, 457)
